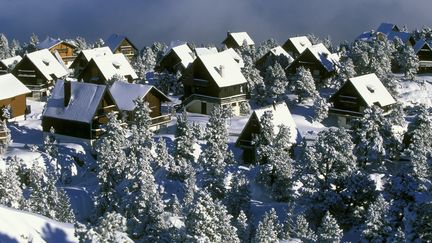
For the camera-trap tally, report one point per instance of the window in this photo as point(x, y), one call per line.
point(241, 89)
point(316, 72)
point(234, 104)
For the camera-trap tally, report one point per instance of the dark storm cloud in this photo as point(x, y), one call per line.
point(204, 21)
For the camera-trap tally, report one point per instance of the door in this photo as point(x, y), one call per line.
point(203, 108)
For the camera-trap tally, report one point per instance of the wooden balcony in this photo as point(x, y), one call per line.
point(159, 120)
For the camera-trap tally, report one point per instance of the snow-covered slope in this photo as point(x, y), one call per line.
point(18, 226)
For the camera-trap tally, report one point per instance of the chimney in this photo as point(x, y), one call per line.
point(222, 70)
point(67, 92)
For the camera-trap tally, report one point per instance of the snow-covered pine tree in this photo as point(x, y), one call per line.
point(268, 228)
point(162, 158)
point(408, 62)
point(329, 230)
point(243, 227)
point(209, 221)
point(346, 70)
point(321, 109)
point(50, 144)
point(302, 230)
point(423, 223)
point(15, 48)
point(289, 223)
point(265, 47)
point(80, 44)
point(149, 58)
point(159, 50)
point(376, 229)
point(238, 197)
point(275, 81)
point(32, 45)
point(99, 43)
point(263, 141)
point(111, 227)
point(325, 165)
point(245, 108)
point(111, 161)
point(139, 68)
point(181, 167)
point(166, 82)
point(11, 194)
point(4, 47)
point(215, 156)
point(304, 86)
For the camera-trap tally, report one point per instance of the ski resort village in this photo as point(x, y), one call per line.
point(303, 140)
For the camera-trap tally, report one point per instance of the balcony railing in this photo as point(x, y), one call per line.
point(160, 120)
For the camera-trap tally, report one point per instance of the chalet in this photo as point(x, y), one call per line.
point(6, 65)
point(389, 31)
point(237, 58)
point(38, 71)
point(423, 51)
point(101, 69)
point(13, 93)
point(85, 56)
point(65, 50)
point(294, 46)
point(237, 39)
point(318, 59)
point(273, 55)
point(356, 95)
point(213, 80)
point(121, 44)
point(125, 94)
point(281, 116)
point(177, 59)
point(78, 109)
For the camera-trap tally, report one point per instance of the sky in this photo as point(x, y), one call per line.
point(205, 21)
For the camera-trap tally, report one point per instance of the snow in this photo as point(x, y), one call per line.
point(278, 50)
point(96, 52)
point(48, 43)
point(116, 64)
point(185, 54)
point(10, 87)
point(301, 43)
point(47, 64)
point(223, 69)
point(235, 56)
point(412, 93)
point(205, 51)
point(11, 60)
point(242, 37)
point(372, 90)
point(323, 55)
point(124, 94)
point(84, 100)
point(18, 226)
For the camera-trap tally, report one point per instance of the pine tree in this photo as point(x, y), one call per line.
point(159, 49)
point(304, 86)
point(268, 228)
point(376, 223)
point(238, 197)
point(149, 58)
point(80, 44)
point(275, 81)
point(216, 155)
point(245, 108)
point(346, 70)
point(50, 144)
point(110, 228)
point(423, 224)
point(15, 49)
point(99, 43)
point(139, 68)
point(163, 158)
point(288, 230)
point(32, 45)
point(181, 167)
point(263, 141)
point(111, 161)
point(321, 109)
point(243, 228)
point(265, 47)
point(11, 194)
point(209, 221)
point(329, 231)
point(4, 47)
point(399, 236)
point(303, 231)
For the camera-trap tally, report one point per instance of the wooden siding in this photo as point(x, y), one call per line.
point(289, 47)
point(18, 105)
point(229, 42)
point(348, 99)
point(127, 48)
point(65, 50)
point(171, 62)
point(308, 60)
point(92, 74)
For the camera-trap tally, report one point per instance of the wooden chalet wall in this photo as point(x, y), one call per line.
point(289, 47)
point(29, 75)
point(171, 62)
point(127, 49)
point(308, 60)
point(65, 50)
point(347, 98)
point(18, 105)
point(199, 81)
point(231, 43)
point(245, 139)
point(3, 69)
point(92, 74)
point(79, 64)
point(154, 104)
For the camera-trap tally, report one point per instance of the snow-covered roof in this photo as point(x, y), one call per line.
point(404, 36)
point(10, 87)
point(224, 70)
point(48, 43)
point(125, 93)
point(236, 56)
point(47, 64)
point(241, 38)
point(281, 116)
point(96, 52)
point(387, 28)
point(114, 41)
point(185, 54)
point(372, 90)
point(278, 50)
point(85, 99)
point(205, 51)
point(11, 60)
point(420, 44)
point(322, 54)
point(116, 64)
point(300, 43)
